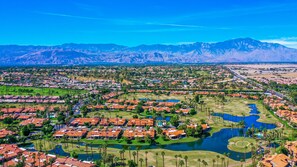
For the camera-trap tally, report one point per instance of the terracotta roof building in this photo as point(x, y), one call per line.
point(74, 133)
point(38, 122)
point(173, 133)
point(140, 122)
point(4, 133)
point(139, 133)
point(104, 133)
point(9, 151)
point(278, 160)
point(112, 121)
point(71, 162)
point(82, 121)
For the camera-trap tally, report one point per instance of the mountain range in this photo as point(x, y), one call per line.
point(231, 51)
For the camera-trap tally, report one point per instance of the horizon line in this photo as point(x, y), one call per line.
point(166, 43)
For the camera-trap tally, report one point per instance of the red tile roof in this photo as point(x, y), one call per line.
point(38, 122)
point(82, 121)
point(104, 133)
point(4, 133)
point(140, 122)
point(139, 132)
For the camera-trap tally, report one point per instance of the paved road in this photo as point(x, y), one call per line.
point(76, 107)
point(245, 78)
point(254, 83)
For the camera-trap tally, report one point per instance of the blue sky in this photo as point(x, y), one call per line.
point(134, 22)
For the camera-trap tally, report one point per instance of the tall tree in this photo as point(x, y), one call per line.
point(163, 154)
point(134, 154)
point(157, 159)
point(140, 160)
point(186, 160)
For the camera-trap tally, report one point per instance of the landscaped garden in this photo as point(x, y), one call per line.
point(242, 144)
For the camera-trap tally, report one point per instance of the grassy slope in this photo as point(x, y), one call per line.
point(18, 90)
point(169, 158)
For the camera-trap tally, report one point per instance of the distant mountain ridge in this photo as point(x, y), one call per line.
point(235, 50)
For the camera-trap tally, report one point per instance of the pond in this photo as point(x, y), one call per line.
point(160, 118)
point(254, 109)
point(167, 100)
point(217, 142)
point(249, 121)
point(58, 150)
point(86, 157)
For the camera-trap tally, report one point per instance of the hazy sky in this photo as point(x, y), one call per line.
point(133, 22)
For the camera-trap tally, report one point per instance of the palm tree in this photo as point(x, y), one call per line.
point(176, 160)
point(204, 163)
point(181, 163)
point(228, 155)
point(140, 160)
point(186, 160)
point(201, 105)
point(223, 161)
point(134, 154)
point(199, 160)
point(163, 154)
point(218, 157)
point(157, 159)
point(213, 162)
point(146, 158)
point(124, 150)
point(146, 162)
point(137, 151)
point(121, 154)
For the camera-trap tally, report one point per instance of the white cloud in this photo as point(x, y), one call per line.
point(176, 27)
point(290, 42)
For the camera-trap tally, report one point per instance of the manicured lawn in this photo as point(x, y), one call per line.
point(24, 105)
point(233, 106)
point(239, 107)
point(152, 96)
point(44, 145)
point(169, 156)
point(33, 91)
point(241, 144)
point(119, 141)
point(160, 140)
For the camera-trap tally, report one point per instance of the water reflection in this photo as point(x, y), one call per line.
point(217, 142)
